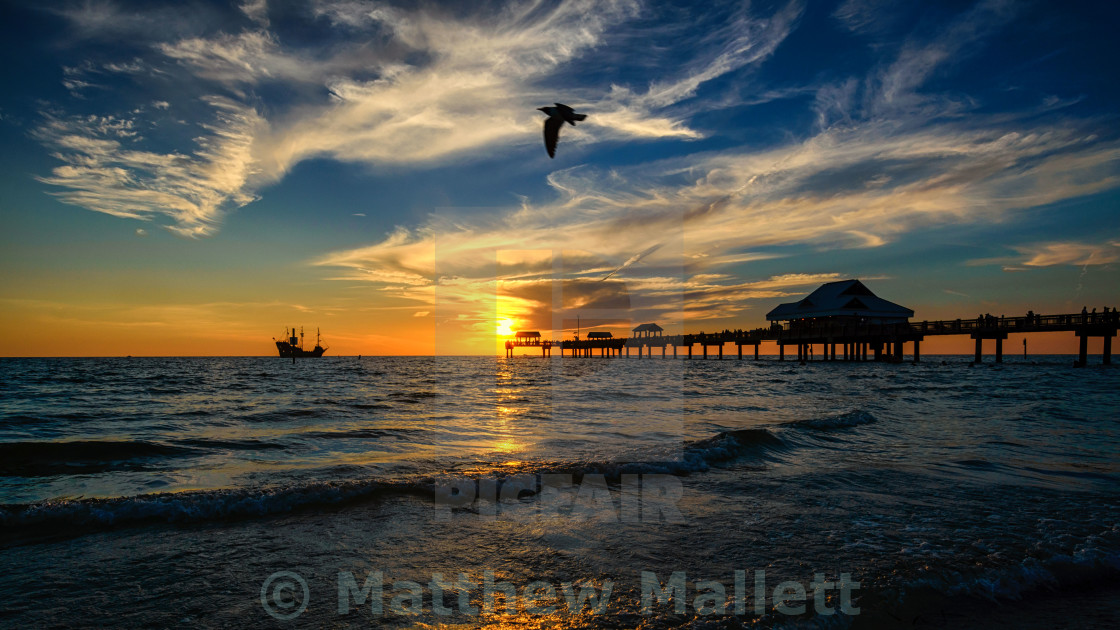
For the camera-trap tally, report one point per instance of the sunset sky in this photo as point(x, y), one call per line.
point(188, 178)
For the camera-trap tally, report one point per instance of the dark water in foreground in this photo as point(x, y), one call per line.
point(161, 492)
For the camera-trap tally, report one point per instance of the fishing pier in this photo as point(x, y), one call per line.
point(847, 322)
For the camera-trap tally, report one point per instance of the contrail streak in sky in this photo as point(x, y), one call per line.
point(633, 259)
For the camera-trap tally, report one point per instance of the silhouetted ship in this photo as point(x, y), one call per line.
point(293, 347)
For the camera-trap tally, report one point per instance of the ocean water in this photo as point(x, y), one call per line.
point(254, 492)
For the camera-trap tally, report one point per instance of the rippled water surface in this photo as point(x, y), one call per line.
point(174, 487)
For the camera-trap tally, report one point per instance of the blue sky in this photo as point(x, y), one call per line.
point(192, 177)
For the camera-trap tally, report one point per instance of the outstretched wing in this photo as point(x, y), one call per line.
point(552, 134)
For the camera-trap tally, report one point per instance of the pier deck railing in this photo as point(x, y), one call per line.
point(856, 336)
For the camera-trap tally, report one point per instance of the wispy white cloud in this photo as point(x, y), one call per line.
point(866, 17)
point(257, 11)
point(744, 41)
point(108, 20)
point(252, 57)
point(401, 87)
point(895, 87)
point(105, 170)
point(126, 67)
point(1070, 253)
point(1053, 253)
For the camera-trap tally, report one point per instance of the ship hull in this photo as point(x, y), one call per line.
point(289, 351)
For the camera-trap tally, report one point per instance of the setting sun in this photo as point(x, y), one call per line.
point(505, 328)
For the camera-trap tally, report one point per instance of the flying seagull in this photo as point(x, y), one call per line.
point(557, 116)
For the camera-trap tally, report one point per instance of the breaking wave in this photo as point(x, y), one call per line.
point(77, 516)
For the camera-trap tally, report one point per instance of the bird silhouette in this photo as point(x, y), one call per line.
point(557, 116)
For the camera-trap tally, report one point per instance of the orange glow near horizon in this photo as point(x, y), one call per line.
point(174, 315)
point(405, 336)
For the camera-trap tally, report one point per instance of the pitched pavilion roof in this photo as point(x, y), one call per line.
point(599, 335)
point(649, 327)
point(532, 334)
point(844, 298)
